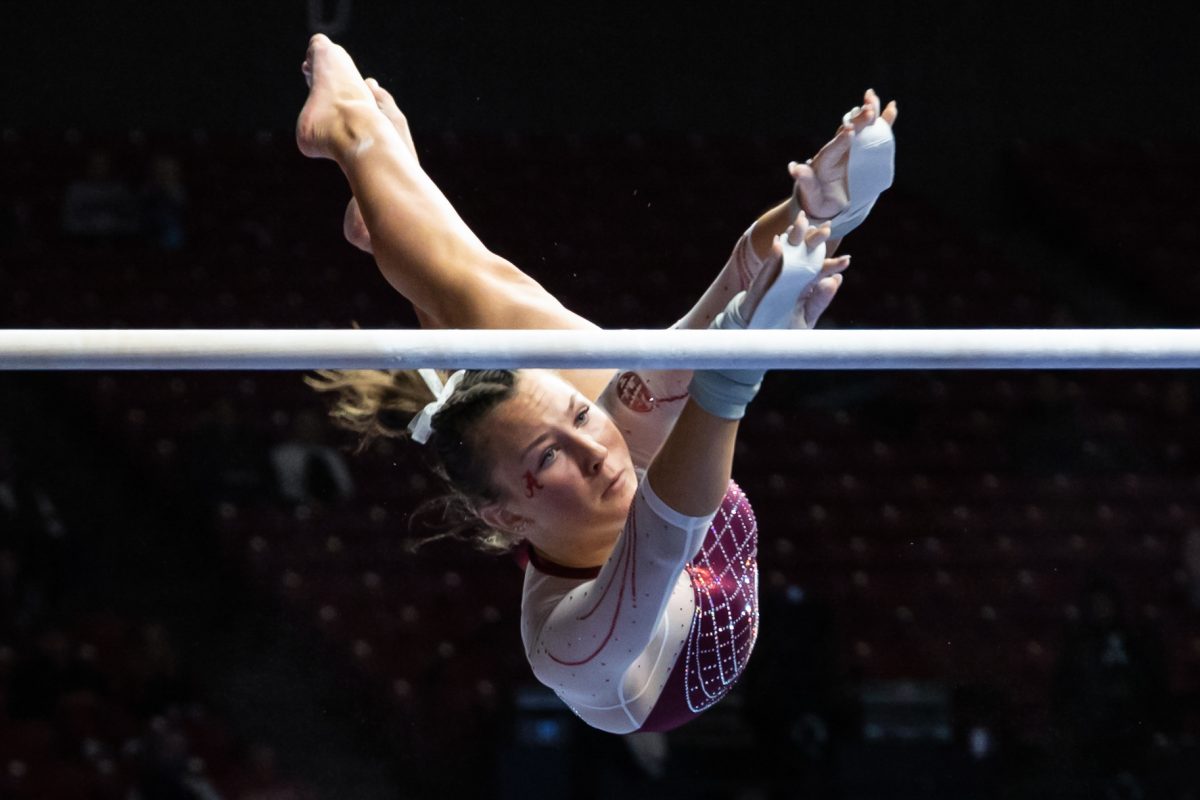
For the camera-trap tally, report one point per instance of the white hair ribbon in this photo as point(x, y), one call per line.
point(422, 425)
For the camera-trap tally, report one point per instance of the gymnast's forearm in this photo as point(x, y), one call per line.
point(775, 222)
point(772, 223)
point(692, 470)
point(745, 262)
point(646, 402)
point(791, 291)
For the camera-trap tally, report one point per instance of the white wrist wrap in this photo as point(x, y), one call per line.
point(725, 393)
point(801, 266)
point(871, 168)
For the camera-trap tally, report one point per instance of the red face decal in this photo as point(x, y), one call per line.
point(531, 484)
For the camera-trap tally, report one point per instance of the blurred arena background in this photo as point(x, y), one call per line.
point(992, 579)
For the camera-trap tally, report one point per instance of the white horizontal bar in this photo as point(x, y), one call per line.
point(401, 349)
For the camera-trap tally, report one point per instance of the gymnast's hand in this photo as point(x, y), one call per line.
point(797, 283)
point(822, 188)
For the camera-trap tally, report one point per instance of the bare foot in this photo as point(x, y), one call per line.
point(822, 188)
point(335, 88)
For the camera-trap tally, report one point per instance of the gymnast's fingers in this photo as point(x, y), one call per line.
point(835, 266)
point(836, 148)
point(817, 234)
point(890, 113)
point(806, 180)
point(798, 229)
point(861, 117)
point(822, 295)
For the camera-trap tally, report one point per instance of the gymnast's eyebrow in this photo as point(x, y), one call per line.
point(545, 434)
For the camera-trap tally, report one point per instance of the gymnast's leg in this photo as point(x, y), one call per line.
point(353, 226)
point(822, 190)
point(421, 245)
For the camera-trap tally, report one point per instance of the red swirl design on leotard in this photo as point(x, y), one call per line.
point(627, 569)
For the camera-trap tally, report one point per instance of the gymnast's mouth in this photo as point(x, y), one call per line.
point(616, 482)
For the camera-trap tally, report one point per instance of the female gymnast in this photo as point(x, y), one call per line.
point(640, 602)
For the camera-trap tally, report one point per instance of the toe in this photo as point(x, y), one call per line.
point(376, 91)
point(383, 97)
point(316, 44)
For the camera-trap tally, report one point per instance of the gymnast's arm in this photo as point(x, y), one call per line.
point(692, 470)
point(645, 403)
point(838, 185)
point(602, 644)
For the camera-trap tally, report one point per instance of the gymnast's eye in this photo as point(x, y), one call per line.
point(547, 457)
point(582, 416)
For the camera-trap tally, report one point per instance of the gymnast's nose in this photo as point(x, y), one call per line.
point(591, 454)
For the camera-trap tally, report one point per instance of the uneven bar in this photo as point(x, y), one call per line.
point(403, 349)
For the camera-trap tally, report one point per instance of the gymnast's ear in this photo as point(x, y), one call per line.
point(500, 518)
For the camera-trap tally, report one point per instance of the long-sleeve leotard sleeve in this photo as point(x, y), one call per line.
point(607, 645)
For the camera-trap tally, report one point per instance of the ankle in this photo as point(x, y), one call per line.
point(359, 126)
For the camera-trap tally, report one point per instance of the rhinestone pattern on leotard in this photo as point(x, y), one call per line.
point(723, 627)
point(724, 578)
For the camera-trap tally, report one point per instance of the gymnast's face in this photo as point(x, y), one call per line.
point(563, 470)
